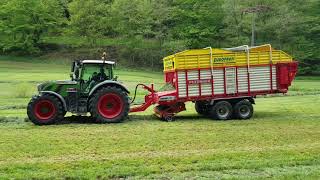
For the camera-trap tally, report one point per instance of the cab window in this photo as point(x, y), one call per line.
point(90, 69)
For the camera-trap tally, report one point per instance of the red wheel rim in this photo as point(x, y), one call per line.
point(44, 110)
point(110, 105)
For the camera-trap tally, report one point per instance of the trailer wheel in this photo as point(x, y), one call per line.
point(202, 108)
point(222, 110)
point(109, 105)
point(243, 109)
point(45, 110)
point(169, 118)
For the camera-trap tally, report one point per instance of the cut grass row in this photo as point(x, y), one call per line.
point(282, 140)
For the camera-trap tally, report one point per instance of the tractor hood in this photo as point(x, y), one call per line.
point(54, 85)
point(46, 86)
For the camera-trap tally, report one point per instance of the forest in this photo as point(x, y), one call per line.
point(40, 38)
point(141, 32)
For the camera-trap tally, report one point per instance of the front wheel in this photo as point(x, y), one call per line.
point(45, 109)
point(109, 105)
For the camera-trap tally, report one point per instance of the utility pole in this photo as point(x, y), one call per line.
point(255, 10)
point(253, 28)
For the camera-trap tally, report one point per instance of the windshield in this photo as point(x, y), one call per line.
point(89, 71)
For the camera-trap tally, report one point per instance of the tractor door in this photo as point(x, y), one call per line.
point(88, 71)
point(92, 74)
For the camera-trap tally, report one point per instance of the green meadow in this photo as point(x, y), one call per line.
point(281, 141)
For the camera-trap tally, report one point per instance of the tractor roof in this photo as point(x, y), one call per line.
point(97, 62)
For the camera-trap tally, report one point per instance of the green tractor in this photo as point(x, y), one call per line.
point(93, 89)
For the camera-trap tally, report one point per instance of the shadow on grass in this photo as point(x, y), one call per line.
point(131, 118)
point(77, 120)
point(267, 115)
point(89, 120)
point(146, 118)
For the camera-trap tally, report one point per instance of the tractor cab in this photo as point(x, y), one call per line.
point(89, 73)
point(92, 89)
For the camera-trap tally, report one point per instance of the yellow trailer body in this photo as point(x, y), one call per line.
point(207, 58)
point(229, 73)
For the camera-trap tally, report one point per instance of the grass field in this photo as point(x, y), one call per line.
point(281, 141)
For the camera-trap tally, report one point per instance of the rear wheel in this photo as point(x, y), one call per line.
point(109, 105)
point(162, 111)
point(202, 107)
point(45, 110)
point(221, 110)
point(169, 118)
point(243, 109)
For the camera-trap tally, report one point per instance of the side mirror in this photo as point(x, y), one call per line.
point(73, 66)
point(76, 74)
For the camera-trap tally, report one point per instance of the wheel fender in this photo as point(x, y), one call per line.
point(58, 96)
point(109, 83)
point(252, 100)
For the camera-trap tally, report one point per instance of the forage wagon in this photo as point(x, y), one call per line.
point(224, 82)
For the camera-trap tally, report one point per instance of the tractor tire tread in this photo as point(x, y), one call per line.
point(56, 118)
point(93, 101)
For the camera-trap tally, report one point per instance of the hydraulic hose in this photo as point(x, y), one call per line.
point(135, 93)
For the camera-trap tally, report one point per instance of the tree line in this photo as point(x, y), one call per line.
point(152, 29)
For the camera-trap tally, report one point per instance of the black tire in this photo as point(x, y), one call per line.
point(159, 111)
point(221, 110)
point(243, 109)
point(116, 103)
point(168, 118)
point(45, 110)
point(202, 107)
